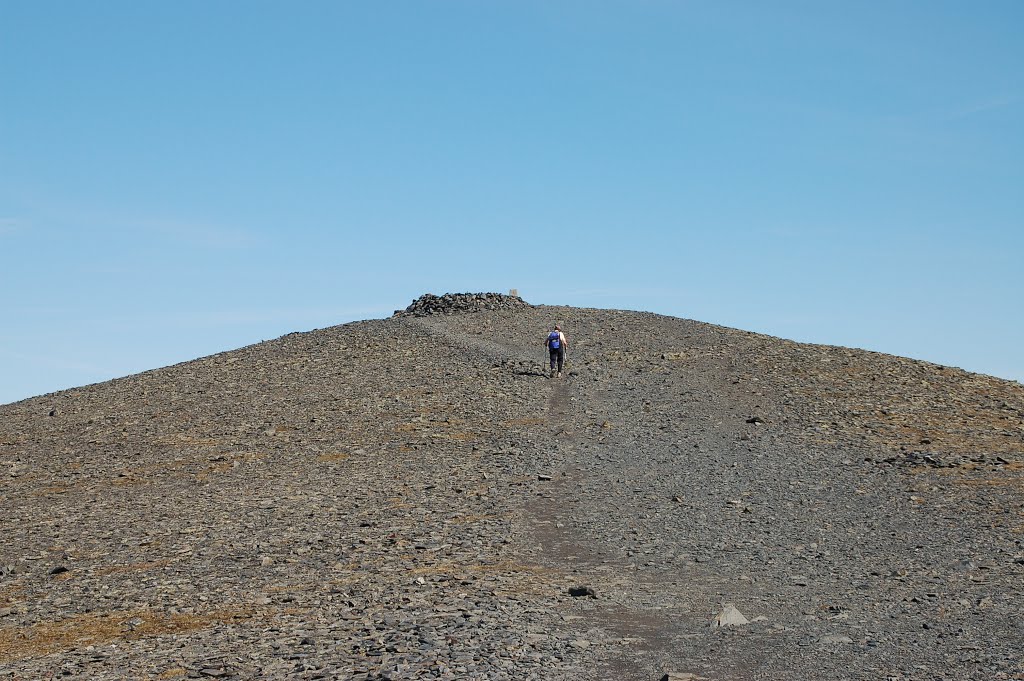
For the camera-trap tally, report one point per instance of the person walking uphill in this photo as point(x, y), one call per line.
point(557, 346)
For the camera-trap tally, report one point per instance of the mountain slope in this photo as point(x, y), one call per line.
point(413, 498)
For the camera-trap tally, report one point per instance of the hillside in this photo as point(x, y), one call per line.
point(413, 498)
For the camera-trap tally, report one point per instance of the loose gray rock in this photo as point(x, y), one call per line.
point(363, 502)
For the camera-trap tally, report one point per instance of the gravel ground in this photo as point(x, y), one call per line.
point(413, 498)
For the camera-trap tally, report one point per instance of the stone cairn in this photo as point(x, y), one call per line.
point(459, 303)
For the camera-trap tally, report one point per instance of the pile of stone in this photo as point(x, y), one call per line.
point(458, 303)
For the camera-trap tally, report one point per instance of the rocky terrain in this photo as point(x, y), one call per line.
point(413, 498)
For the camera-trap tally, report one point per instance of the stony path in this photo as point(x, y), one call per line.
point(413, 499)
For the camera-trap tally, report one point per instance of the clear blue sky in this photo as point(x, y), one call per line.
point(182, 178)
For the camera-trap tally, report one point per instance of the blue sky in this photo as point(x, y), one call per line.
point(183, 178)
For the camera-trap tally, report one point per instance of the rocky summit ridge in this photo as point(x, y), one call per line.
point(413, 498)
point(460, 303)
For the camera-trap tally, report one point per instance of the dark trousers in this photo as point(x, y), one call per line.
point(557, 357)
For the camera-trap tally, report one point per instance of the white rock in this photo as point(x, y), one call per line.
point(729, 617)
point(836, 638)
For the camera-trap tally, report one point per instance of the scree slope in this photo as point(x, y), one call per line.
point(414, 498)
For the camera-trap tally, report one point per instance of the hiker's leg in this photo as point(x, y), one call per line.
point(561, 359)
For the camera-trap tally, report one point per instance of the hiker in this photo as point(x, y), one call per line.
point(556, 349)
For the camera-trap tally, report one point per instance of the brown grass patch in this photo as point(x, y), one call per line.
point(504, 566)
point(527, 421)
point(222, 467)
point(345, 581)
point(79, 631)
point(132, 567)
point(475, 518)
point(9, 594)
point(130, 479)
point(457, 435)
point(227, 463)
point(51, 491)
point(176, 439)
point(333, 458)
point(991, 482)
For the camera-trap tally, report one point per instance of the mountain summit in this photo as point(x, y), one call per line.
point(413, 498)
